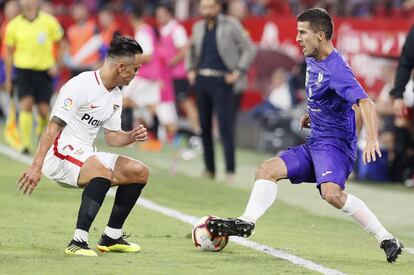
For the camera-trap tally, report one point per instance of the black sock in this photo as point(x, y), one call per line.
point(92, 199)
point(125, 198)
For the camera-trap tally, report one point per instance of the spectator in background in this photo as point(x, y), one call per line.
point(278, 100)
point(33, 57)
point(143, 92)
point(219, 56)
point(403, 136)
point(403, 74)
point(238, 9)
point(166, 111)
point(84, 42)
point(108, 27)
point(11, 133)
point(175, 44)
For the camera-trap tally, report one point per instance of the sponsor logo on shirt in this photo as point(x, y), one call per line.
point(116, 106)
point(67, 104)
point(91, 120)
point(326, 173)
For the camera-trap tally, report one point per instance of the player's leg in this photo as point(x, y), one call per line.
point(42, 118)
point(42, 93)
point(130, 176)
point(96, 179)
point(262, 197)
point(25, 85)
point(294, 164)
point(25, 122)
point(360, 213)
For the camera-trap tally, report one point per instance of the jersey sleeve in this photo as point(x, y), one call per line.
point(114, 122)
point(10, 35)
point(68, 102)
point(56, 30)
point(346, 86)
point(180, 37)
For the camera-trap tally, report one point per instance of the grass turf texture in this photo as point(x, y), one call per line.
point(34, 231)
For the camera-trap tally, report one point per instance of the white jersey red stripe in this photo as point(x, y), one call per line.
point(64, 157)
point(86, 106)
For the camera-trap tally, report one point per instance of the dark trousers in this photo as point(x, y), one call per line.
point(213, 94)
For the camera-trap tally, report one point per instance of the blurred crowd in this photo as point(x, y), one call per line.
point(185, 9)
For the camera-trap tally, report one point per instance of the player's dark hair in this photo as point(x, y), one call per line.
point(319, 20)
point(122, 45)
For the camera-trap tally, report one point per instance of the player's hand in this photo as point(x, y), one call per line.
point(399, 107)
point(304, 122)
point(29, 180)
point(139, 133)
point(371, 151)
point(192, 77)
point(232, 77)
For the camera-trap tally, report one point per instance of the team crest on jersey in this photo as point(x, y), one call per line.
point(320, 77)
point(68, 103)
point(116, 106)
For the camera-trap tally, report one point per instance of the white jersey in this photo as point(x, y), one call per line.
point(86, 106)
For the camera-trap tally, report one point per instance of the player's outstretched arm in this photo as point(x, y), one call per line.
point(31, 177)
point(369, 118)
point(122, 138)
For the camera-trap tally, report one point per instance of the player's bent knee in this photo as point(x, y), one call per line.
point(269, 170)
point(334, 198)
point(139, 174)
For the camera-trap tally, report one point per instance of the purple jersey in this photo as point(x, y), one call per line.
point(332, 89)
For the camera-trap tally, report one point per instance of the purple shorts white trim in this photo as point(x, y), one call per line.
point(327, 164)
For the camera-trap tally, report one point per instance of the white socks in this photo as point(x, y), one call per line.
point(81, 235)
point(359, 211)
point(261, 198)
point(113, 233)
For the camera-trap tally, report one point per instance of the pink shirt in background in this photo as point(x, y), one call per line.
point(174, 37)
point(146, 37)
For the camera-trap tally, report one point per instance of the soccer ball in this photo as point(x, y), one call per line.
point(203, 239)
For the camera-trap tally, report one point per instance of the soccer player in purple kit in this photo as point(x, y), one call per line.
point(328, 156)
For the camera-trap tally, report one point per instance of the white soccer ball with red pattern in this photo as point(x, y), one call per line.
point(203, 239)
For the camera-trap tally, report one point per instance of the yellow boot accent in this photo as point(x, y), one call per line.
point(121, 248)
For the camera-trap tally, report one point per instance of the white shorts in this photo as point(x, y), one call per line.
point(64, 161)
point(142, 92)
point(166, 113)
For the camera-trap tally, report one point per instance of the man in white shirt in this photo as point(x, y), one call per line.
point(65, 153)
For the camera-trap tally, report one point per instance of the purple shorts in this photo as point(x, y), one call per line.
point(327, 164)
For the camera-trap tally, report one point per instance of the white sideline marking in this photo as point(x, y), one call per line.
point(192, 220)
point(409, 250)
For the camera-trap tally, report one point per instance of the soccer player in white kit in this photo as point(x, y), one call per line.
point(65, 152)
